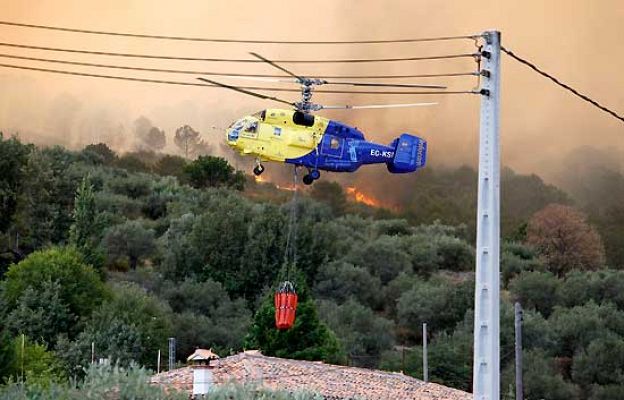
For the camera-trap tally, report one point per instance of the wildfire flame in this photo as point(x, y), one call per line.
point(259, 179)
point(362, 198)
point(290, 188)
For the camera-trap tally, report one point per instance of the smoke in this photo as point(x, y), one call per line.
point(577, 41)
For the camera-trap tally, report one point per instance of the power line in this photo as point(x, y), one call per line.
point(563, 85)
point(269, 89)
point(240, 60)
point(208, 73)
point(221, 40)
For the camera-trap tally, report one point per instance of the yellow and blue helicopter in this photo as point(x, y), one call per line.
point(300, 138)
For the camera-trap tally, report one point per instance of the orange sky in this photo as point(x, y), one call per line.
point(579, 41)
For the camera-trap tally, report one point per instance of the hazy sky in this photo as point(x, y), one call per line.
point(580, 41)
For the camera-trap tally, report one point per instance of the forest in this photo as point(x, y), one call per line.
point(127, 250)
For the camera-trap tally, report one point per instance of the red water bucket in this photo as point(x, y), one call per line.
point(285, 306)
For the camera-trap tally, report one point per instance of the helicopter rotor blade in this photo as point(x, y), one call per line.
point(324, 82)
point(248, 92)
point(376, 106)
point(258, 56)
point(400, 85)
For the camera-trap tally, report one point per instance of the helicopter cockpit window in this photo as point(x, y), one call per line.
point(334, 143)
point(251, 126)
point(234, 130)
point(260, 115)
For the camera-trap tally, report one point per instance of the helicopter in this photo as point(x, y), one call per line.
point(296, 136)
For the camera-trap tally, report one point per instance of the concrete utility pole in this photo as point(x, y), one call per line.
point(425, 360)
point(518, 329)
point(486, 367)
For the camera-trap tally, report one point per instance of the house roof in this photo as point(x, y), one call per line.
point(202, 354)
point(331, 381)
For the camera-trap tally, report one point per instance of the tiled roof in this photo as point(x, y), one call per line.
point(331, 381)
point(203, 354)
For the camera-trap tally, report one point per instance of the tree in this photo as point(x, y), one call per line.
point(130, 241)
point(541, 379)
point(100, 153)
point(308, 339)
point(332, 194)
point(205, 316)
point(147, 136)
point(363, 335)
point(13, 157)
point(600, 363)
point(42, 314)
point(132, 326)
point(382, 257)
point(516, 258)
point(170, 165)
point(340, 281)
point(36, 363)
point(189, 142)
point(80, 287)
point(7, 355)
point(85, 232)
point(563, 237)
point(576, 328)
point(208, 171)
point(537, 290)
point(155, 139)
point(440, 304)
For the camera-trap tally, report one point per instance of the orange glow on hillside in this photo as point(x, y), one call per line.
point(360, 197)
point(259, 179)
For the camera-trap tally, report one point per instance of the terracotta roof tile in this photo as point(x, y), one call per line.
point(331, 381)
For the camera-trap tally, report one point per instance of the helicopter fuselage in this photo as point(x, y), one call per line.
point(319, 143)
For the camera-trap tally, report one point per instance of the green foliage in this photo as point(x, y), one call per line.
point(308, 339)
point(535, 290)
point(132, 162)
point(85, 232)
point(602, 286)
point(440, 304)
point(8, 356)
point(575, 328)
point(80, 287)
point(339, 280)
point(99, 153)
point(516, 258)
point(133, 186)
point(13, 158)
point(541, 380)
point(132, 326)
point(600, 363)
point(382, 257)
point(208, 171)
point(205, 316)
point(362, 334)
point(170, 165)
point(100, 382)
point(42, 314)
point(35, 363)
point(330, 193)
point(128, 241)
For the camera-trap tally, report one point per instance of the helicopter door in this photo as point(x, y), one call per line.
point(332, 146)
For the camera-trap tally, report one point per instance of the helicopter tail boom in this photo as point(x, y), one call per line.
point(409, 155)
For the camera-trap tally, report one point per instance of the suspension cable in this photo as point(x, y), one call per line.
point(238, 60)
point(270, 89)
point(563, 85)
point(290, 252)
point(209, 73)
point(223, 40)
